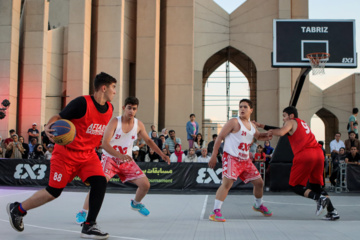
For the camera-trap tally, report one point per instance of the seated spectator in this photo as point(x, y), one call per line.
point(204, 158)
point(177, 155)
point(26, 148)
point(340, 158)
point(335, 145)
point(210, 148)
point(268, 150)
point(142, 148)
point(151, 156)
point(50, 149)
point(15, 149)
point(260, 156)
point(165, 151)
point(156, 140)
point(38, 152)
point(199, 143)
point(162, 138)
point(351, 141)
point(164, 132)
point(152, 130)
point(191, 157)
point(353, 157)
point(9, 139)
point(135, 153)
point(32, 145)
point(171, 142)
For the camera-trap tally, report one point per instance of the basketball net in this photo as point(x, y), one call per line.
point(318, 61)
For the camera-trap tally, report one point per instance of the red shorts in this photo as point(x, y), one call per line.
point(308, 165)
point(66, 163)
point(233, 168)
point(126, 171)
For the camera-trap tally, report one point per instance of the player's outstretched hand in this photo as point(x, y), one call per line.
point(166, 159)
point(270, 134)
point(259, 125)
point(212, 161)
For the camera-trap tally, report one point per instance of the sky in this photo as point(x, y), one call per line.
point(239, 87)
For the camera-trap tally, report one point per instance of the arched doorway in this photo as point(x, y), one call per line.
point(241, 61)
point(331, 123)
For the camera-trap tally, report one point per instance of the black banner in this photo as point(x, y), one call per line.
point(28, 172)
point(353, 177)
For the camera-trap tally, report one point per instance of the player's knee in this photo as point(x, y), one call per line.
point(258, 183)
point(55, 192)
point(316, 187)
point(298, 189)
point(97, 182)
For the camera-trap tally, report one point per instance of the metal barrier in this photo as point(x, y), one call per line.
point(342, 179)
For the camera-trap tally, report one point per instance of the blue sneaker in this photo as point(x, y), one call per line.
point(140, 207)
point(80, 217)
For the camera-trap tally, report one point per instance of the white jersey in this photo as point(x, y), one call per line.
point(123, 142)
point(238, 144)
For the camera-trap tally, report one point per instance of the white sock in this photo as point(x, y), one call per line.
point(258, 202)
point(135, 202)
point(84, 210)
point(217, 204)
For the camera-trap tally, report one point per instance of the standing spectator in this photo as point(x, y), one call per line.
point(353, 157)
point(352, 141)
point(140, 142)
point(38, 152)
point(204, 157)
point(45, 141)
point(171, 142)
point(9, 139)
point(268, 150)
point(335, 145)
point(199, 144)
point(15, 148)
point(152, 156)
point(32, 145)
point(50, 149)
point(33, 132)
point(152, 130)
point(164, 132)
point(192, 128)
point(353, 123)
point(178, 155)
point(191, 157)
point(26, 148)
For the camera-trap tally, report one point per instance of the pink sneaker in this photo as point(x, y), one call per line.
point(264, 210)
point(216, 216)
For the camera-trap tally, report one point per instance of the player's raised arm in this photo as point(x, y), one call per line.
point(142, 133)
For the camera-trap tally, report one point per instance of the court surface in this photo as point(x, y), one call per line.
point(185, 216)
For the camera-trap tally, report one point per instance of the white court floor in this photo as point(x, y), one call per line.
point(185, 217)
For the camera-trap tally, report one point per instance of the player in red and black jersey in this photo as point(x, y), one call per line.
point(90, 115)
point(308, 162)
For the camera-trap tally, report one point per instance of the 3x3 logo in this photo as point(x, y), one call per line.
point(23, 171)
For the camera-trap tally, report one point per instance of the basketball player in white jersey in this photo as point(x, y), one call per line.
point(117, 145)
point(238, 134)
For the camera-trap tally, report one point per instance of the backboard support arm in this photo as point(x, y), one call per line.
point(298, 86)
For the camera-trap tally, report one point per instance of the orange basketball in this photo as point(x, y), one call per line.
point(64, 131)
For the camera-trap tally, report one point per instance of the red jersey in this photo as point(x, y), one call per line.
point(302, 138)
point(89, 128)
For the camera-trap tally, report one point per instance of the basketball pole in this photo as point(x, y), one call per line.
point(298, 86)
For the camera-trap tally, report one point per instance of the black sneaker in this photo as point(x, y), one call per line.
point(332, 216)
point(92, 231)
point(15, 217)
point(322, 202)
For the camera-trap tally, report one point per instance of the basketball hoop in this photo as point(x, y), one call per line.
point(318, 61)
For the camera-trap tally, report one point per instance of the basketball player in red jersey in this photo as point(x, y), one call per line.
point(308, 162)
point(90, 115)
point(238, 134)
point(117, 145)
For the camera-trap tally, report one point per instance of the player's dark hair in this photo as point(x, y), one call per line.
point(103, 79)
point(355, 110)
point(131, 101)
point(248, 101)
point(291, 110)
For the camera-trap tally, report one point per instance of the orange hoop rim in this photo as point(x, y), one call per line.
point(318, 55)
